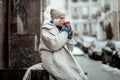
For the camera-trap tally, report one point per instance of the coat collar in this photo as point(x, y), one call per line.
point(48, 25)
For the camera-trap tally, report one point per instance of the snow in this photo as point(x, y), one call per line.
point(77, 51)
point(110, 69)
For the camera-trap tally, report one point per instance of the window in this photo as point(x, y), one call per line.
point(85, 12)
point(75, 0)
point(75, 30)
point(94, 0)
point(74, 13)
point(107, 7)
point(84, 0)
point(94, 12)
point(119, 26)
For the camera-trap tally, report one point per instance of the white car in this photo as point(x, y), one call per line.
point(86, 42)
point(95, 51)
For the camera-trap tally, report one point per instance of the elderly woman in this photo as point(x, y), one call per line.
point(56, 47)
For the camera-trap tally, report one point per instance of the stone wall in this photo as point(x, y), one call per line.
point(17, 74)
point(22, 51)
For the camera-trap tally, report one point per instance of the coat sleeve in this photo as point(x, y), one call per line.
point(54, 42)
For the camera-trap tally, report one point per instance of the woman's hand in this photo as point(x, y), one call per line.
point(67, 29)
point(70, 35)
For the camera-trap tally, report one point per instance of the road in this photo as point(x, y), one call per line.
point(96, 70)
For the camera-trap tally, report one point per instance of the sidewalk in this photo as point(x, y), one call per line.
point(112, 70)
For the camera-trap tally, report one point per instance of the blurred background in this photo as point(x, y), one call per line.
point(96, 26)
point(92, 17)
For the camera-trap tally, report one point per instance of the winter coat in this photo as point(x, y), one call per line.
point(56, 55)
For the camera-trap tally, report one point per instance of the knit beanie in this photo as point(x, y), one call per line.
point(56, 14)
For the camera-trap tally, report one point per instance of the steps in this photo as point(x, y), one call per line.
point(17, 74)
point(12, 74)
point(22, 56)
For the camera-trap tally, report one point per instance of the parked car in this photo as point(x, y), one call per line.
point(79, 43)
point(107, 52)
point(116, 57)
point(111, 54)
point(95, 51)
point(85, 42)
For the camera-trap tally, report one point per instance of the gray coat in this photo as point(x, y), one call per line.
point(55, 50)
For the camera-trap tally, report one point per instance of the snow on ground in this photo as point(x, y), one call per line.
point(110, 69)
point(77, 51)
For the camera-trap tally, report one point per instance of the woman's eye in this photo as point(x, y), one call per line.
point(61, 18)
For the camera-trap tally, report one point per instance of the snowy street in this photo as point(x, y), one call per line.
point(96, 70)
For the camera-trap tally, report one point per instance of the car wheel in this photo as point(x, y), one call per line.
point(103, 59)
point(89, 53)
point(113, 62)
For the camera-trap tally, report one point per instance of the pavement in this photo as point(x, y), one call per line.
point(96, 70)
point(109, 69)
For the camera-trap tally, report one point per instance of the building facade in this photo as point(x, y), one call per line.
point(84, 16)
point(115, 6)
point(93, 17)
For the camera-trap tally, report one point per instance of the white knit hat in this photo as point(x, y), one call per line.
point(56, 14)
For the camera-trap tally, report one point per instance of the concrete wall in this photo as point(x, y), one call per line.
point(114, 25)
point(32, 10)
point(115, 19)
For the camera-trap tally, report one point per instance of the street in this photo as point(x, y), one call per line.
point(96, 70)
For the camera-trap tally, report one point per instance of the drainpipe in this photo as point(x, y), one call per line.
point(118, 30)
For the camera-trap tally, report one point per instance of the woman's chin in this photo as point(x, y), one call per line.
point(61, 26)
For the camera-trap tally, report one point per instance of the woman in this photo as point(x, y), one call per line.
point(56, 47)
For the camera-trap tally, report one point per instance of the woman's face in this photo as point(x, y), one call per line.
point(60, 21)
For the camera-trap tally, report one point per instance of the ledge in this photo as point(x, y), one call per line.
point(17, 74)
